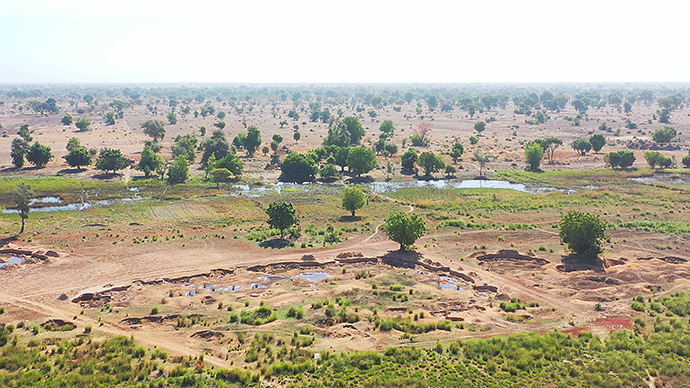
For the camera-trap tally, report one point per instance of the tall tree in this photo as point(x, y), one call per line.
point(22, 197)
point(110, 159)
point(353, 199)
point(150, 161)
point(78, 157)
point(404, 228)
point(598, 141)
point(361, 160)
point(155, 129)
point(39, 155)
point(178, 172)
point(297, 168)
point(431, 162)
point(19, 149)
point(281, 216)
point(534, 153)
point(253, 140)
point(582, 232)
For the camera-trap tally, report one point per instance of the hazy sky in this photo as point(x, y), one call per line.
point(344, 41)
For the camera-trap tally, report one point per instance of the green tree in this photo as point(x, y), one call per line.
point(110, 159)
point(348, 132)
point(88, 98)
point(274, 146)
point(598, 141)
point(67, 119)
point(155, 129)
point(341, 157)
point(686, 161)
point(266, 149)
point(456, 152)
point(39, 155)
point(22, 197)
point(253, 140)
point(534, 153)
point(361, 160)
point(387, 128)
point(582, 146)
point(185, 145)
point(178, 172)
point(549, 145)
point(353, 199)
point(109, 118)
point(219, 124)
point(25, 133)
point(73, 143)
point(474, 140)
point(653, 158)
point(329, 172)
point(404, 228)
point(296, 135)
point(622, 159)
point(217, 145)
point(664, 135)
point(281, 216)
point(409, 160)
point(582, 232)
point(277, 138)
point(482, 159)
point(431, 162)
point(150, 161)
point(172, 118)
point(219, 175)
point(297, 168)
point(19, 149)
point(231, 163)
point(432, 102)
point(451, 170)
point(83, 124)
point(480, 126)
point(78, 157)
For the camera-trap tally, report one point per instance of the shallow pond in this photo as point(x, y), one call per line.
point(12, 260)
point(313, 276)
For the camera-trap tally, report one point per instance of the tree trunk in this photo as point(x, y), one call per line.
point(23, 220)
point(353, 213)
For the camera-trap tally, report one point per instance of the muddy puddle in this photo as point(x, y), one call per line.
point(12, 260)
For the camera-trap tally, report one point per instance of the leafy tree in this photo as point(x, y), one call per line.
point(221, 115)
point(83, 124)
point(281, 216)
point(219, 175)
point(283, 123)
point(483, 160)
point(432, 102)
point(408, 160)
point(22, 197)
point(534, 153)
point(480, 126)
point(266, 149)
point(340, 157)
point(353, 199)
point(231, 163)
point(19, 149)
point(549, 145)
point(431, 162)
point(25, 133)
point(39, 155)
point(622, 159)
point(387, 128)
point(238, 141)
point(686, 161)
point(348, 132)
point(664, 135)
point(67, 119)
point(73, 143)
point(219, 125)
point(252, 141)
point(217, 145)
point(274, 146)
point(579, 106)
point(329, 172)
point(172, 118)
point(154, 128)
point(178, 172)
point(296, 135)
point(185, 145)
point(598, 141)
point(111, 159)
point(277, 138)
point(404, 228)
point(109, 118)
point(202, 131)
point(451, 170)
point(474, 140)
point(456, 152)
point(361, 160)
point(582, 146)
point(653, 158)
point(391, 148)
point(88, 98)
point(150, 161)
point(664, 116)
point(582, 232)
point(419, 139)
point(78, 157)
point(297, 168)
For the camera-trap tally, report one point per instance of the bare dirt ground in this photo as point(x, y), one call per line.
point(95, 279)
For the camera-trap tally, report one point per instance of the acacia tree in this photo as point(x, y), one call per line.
point(482, 159)
point(22, 197)
point(404, 228)
point(155, 129)
point(281, 216)
point(582, 232)
point(582, 146)
point(353, 199)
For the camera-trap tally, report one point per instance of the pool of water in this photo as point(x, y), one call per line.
point(76, 206)
point(233, 288)
point(448, 286)
point(191, 293)
point(273, 278)
point(257, 285)
point(12, 260)
point(313, 276)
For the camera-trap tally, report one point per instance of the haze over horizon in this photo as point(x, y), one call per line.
point(156, 41)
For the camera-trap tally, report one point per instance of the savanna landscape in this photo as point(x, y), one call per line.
point(341, 235)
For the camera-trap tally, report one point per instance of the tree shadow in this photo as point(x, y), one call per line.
point(575, 263)
point(276, 243)
point(106, 176)
point(71, 170)
point(402, 259)
point(349, 218)
point(7, 240)
point(361, 179)
point(406, 172)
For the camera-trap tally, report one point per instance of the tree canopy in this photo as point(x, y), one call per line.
point(361, 160)
point(150, 161)
point(297, 168)
point(110, 159)
point(78, 157)
point(178, 172)
point(622, 159)
point(155, 129)
point(22, 196)
point(353, 199)
point(281, 216)
point(598, 141)
point(534, 154)
point(664, 135)
point(582, 146)
point(582, 232)
point(404, 228)
point(39, 155)
point(431, 162)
